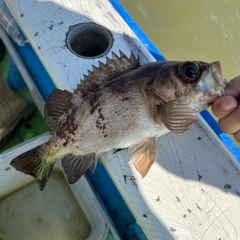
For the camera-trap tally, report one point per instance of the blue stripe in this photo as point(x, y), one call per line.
point(111, 200)
point(224, 137)
point(36, 70)
point(138, 31)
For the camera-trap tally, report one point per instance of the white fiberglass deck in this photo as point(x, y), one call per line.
point(193, 190)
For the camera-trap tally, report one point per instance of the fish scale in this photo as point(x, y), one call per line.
point(121, 104)
point(107, 124)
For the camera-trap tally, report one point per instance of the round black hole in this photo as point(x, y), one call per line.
point(28, 126)
point(89, 40)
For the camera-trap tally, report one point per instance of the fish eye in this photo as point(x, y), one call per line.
point(189, 71)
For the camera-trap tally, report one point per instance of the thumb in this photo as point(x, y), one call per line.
point(224, 106)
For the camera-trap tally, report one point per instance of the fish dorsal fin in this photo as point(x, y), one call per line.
point(143, 155)
point(105, 73)
point(75, 166)
point(56, 106)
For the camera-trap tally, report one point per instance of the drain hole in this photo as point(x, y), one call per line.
point(89, 40)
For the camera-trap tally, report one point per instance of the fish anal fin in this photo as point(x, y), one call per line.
point(56, 106)
point(177, 116)
point(143, 155)
point(75, 165)
point(105, 73)
point(33, 163)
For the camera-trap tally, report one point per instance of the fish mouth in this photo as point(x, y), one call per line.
point(219, 83)
point(212, 85)
point(210, 88)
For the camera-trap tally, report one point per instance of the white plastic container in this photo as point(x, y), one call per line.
point(59, 212)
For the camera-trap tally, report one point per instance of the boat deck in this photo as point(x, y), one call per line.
point(192, 191)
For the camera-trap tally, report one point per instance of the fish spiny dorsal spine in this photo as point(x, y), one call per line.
point(105, 73)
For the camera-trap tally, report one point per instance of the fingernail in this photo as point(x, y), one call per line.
point(228, 104)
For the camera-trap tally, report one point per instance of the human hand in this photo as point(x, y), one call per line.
point(227, 110)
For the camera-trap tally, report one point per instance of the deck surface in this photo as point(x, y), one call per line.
point(193, 190)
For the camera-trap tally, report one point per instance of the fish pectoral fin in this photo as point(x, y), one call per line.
point(33, 162)
point(56, 106)
point(143, 155)
point(177, 116)
point(76, 165)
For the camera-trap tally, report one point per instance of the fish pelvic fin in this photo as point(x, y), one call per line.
point(143, 155)
point(75, 166)
point(177, 116)
point(34, 163)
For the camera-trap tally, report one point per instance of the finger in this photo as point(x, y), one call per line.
point(224, 106)
point(236, 135)
point(231, 123)
point(233, 87)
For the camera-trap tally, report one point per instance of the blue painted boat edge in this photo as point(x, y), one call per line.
point(35, 68)
point(137, 30)
point(159, 57)
point(232, 147)
point(111, 200)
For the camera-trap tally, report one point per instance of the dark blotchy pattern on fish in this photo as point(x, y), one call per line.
point(121, 104)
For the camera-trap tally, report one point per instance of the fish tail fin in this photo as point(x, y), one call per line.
point(33, 162)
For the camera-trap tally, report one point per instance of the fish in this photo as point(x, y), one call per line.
point(121, 104)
